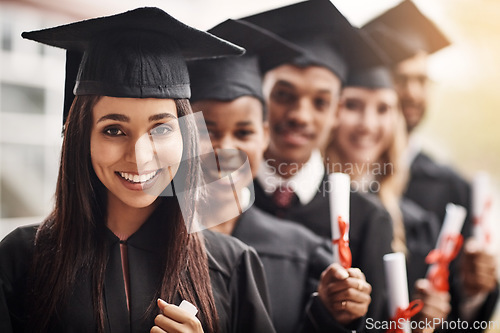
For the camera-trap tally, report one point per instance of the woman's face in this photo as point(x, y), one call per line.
point(366, 123)
point(136, 147)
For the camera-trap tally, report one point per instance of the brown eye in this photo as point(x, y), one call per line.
point(422, 79)
point(384, 108)
point(321, 103)
point(353, 104)
point(113, 131)
point(243, 133)
point(283, 96)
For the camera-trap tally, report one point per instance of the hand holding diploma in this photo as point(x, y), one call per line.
point(448, 246)
point(177, 318)
point(436, 303)
point(478, 267)
point(345, 293)
point(339, 217)
point(482, 202)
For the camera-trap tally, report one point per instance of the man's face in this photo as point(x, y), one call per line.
point(411, 84)
point(302, 103)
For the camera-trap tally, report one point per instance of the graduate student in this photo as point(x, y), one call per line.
point(302, 96)
point(229, 93)
point(368, 142)
point(430, 184)
point(116, 254)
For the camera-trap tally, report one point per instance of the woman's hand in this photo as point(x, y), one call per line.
point(479, 269)
point(436, 303)
point(173, 319)
point(345, 293)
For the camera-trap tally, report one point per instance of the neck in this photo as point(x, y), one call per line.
point(226, 227)
point(124, 220)
point(224, 218)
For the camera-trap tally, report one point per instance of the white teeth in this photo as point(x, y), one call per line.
point(138, 178)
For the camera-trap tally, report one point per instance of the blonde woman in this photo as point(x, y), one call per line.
point(368, 143)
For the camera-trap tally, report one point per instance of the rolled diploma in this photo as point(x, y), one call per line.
point(397, 285)
point(185, 305)
point(339, 206)
point(452, 225)
point(481, 194)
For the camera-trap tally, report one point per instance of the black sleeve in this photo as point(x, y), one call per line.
point(15, 256)
point(319, 320)
point(378, 238)
point(488, 307)
point(483, 314)
point(250, 297)
point(6, 292)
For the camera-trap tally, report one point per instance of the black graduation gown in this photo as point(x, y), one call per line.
point(421, 229)
point(370, 234)
point(432, 186)
point(293, 259)
point(236, 274)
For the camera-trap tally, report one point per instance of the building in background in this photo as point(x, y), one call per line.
point(31, 78)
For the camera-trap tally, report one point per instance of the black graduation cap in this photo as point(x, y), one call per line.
point(377, 77)
point(140, 53)
point(232, 77)
point(318, 27)
point(380, 76)
point(405, 31)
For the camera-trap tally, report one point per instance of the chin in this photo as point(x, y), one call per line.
point(143, 202)
point(296, 155)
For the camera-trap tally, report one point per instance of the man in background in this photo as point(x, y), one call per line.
point(432, 185)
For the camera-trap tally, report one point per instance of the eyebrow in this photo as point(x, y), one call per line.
point(285, 83)
point(240, 123)
point(324, 91)
point(114, 116)
point(125, 119)
point(244, 123)
point(291, 86)
point(160, 116)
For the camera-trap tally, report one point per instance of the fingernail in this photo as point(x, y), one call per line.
point(162, 302)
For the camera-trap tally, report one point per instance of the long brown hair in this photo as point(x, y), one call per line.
point(71, 239)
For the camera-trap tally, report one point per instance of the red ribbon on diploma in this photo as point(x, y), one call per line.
point(413, 308)
point(345, 255)
point(440, 273)
point(479, 220)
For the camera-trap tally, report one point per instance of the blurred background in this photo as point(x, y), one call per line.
point(461, 126)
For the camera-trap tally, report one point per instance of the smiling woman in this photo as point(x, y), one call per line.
point(133, 151)
point(117, 242)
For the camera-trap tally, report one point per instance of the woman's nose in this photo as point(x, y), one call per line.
point(142, 152)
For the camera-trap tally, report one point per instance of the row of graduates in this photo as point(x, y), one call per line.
point(357, 120)
point(311, 91)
